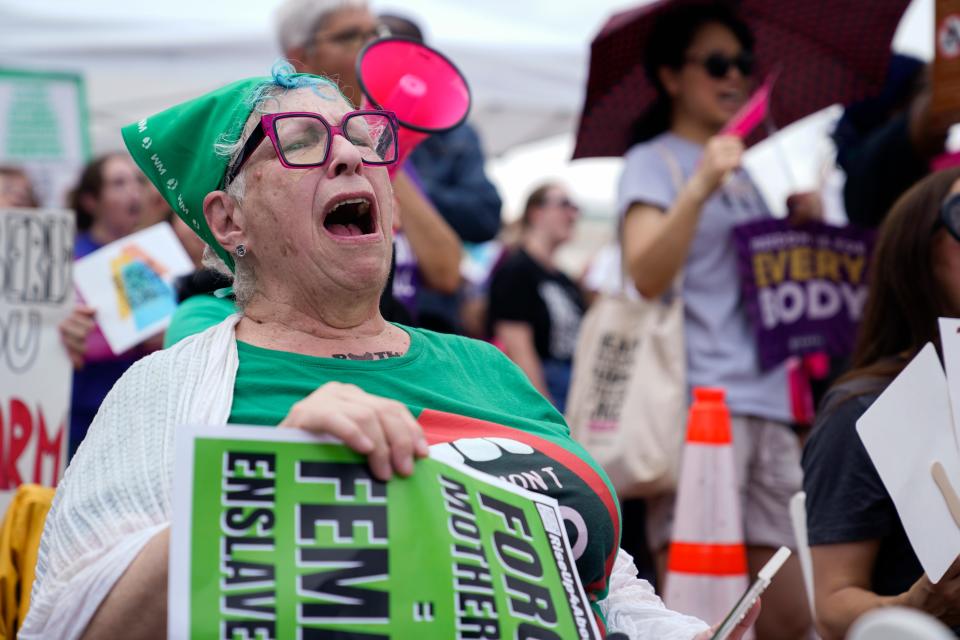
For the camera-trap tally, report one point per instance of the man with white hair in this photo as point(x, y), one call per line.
point(324, 37)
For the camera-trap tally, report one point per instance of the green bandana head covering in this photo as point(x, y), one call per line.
point(176, 148)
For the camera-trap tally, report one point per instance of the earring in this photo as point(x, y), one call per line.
point(240, 251)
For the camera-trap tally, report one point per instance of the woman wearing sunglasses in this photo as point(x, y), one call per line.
point(862, 558)
point(288, 186)
point(535, 309)
point(681, 193)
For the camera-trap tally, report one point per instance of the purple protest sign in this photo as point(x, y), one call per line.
point(804, 287)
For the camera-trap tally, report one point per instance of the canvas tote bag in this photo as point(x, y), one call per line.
point(627, 403)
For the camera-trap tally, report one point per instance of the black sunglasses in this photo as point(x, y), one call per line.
point(718, 65)
point(950, 216)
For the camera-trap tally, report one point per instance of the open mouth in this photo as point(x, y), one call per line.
point(350, 217)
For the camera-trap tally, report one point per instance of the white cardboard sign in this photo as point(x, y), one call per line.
point(130, 284)
point(906, 431)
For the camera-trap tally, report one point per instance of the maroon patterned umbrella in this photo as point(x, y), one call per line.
point(827, 51)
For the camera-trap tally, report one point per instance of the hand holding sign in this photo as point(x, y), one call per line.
point(36, 258)
point(74, 331)
point(724, 152)
point(918, 397)
point(941, 600)
point(804, 208)
point(381, 428)
point(276, 534)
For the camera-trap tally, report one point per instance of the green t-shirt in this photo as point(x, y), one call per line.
point(196, 314)
point(476, 407)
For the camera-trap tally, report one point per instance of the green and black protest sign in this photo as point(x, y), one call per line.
point(278, 535)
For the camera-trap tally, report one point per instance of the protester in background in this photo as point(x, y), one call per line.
point(535, 309)
point(480, 262)
point(327, 35)
point(885, 143)
point(681, 193)
point(308, 350)
point(16, 190)
point(450, 167)
point(155, 208)
point(603, 275)
point(108, 201)
point(324, 37)
point(862, 558)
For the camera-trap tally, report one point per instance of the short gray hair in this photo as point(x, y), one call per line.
point(298, 20)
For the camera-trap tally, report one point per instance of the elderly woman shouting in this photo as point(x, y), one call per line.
point(288, 186)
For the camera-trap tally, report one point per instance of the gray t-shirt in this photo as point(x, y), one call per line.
point(721, 347)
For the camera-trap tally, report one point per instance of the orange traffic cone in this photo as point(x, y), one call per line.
point(707, 565)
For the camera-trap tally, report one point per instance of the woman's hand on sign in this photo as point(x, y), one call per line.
point(383, 429)
point(74, 331)
point(804, 207)
point(721, 156)
point(941, 600)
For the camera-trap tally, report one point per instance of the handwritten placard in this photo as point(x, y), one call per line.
point(36, 259)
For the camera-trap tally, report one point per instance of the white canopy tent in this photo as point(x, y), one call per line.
point(526, 61)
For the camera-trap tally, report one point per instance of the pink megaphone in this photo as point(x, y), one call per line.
point(419, 84)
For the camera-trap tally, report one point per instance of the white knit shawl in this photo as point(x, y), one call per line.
point(115, 495)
